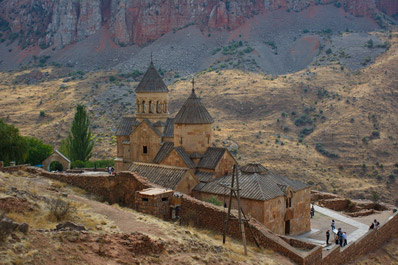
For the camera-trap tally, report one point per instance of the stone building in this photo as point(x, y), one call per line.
point(178, 154)
point(281, 204)
point(152, 136)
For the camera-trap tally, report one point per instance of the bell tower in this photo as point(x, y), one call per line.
point(152, 97)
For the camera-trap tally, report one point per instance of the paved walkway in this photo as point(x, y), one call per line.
point(355, 235)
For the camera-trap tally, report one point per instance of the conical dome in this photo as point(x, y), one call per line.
point(193, 112)
point(253, 168)
point(152, 81)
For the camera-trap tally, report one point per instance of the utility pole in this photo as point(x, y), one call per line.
point(233, 190)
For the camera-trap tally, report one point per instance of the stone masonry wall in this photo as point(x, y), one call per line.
point(195, 137)
point(10, 169)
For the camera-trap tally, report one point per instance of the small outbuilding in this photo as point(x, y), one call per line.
point(154, 201)
point(59, 157)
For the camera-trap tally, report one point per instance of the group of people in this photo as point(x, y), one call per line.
point(110, 170)
point(374, 225)
point(340, 236)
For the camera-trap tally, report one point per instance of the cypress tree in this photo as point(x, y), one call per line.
point(79, 142)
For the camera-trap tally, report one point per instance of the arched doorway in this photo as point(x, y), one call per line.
point(59, 158)
point(55, 166)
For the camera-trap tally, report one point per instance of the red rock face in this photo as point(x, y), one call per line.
point(61, 22)
point(390, 7)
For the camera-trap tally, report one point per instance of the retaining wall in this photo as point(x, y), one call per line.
point(10, 169)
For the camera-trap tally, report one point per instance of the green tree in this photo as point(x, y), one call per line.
point(37, 151)
point(63, 147)
point(79, 142)
point(13, 147)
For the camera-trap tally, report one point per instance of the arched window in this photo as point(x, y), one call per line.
point(158, 107)
point(150, 109)
point(143, 107)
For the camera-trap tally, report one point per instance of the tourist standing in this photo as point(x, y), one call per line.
point(345, 238)
point(327, 237)
point(312, 211)
point(333, 225)
point(340, 237)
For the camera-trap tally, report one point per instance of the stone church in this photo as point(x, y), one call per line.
point(178, 153)
point(151, 136)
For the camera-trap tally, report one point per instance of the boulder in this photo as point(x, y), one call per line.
point(70, 226)
point(24, 228)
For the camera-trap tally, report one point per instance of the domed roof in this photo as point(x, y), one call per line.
point(152, 81)
point(193, 112)
point(253, 168)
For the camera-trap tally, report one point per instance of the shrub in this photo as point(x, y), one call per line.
point(329, 51)
point(306, 131)
point(42, 113)
point(369, 44)
point(375, 197)
point(61, 209)
point(375, 133)
point(319, 147)
point(303, 120)
point(77, 164)
point(392, 177)
point(112, 78)
point(213, 200)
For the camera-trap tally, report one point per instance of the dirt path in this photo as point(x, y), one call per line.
point(125, 220)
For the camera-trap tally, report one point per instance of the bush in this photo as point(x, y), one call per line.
point(77, 164)
point(42, 113)
point(306, 131)
point(61, 209)
point(319, 147)
point(303, 120)
point(213, 200)
point(112, 78)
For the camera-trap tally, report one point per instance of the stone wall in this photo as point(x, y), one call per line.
point(366, 244)
point(193, 137)
point(301, 221)
point(142, 136)
point(119, 188)
point(225, 165)
point(10, 169)
point(174, 159)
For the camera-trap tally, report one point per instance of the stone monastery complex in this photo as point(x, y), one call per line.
point(178, 153)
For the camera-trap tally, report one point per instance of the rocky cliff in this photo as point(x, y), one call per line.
point(62, 22)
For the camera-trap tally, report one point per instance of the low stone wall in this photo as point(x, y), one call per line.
point(10, 169)
point(366, 244)
point(119, 188)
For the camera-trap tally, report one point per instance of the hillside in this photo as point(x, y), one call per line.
point(327, 125)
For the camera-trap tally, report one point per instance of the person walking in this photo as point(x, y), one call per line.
point(327, 237)
point(312, 211)
point(333, 225)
